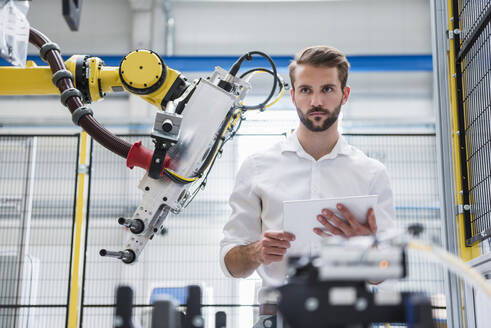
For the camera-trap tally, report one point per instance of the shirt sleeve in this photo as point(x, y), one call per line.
point(244, 225)
point(384, 211)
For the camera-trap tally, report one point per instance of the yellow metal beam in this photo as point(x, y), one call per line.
point(80, 226)
point(31, 80)
point(466, 253)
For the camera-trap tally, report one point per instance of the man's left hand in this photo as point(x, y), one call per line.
point(347, 228)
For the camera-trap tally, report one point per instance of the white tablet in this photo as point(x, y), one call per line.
point(300, 216)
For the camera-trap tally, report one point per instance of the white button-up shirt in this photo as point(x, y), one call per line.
point(287, 172)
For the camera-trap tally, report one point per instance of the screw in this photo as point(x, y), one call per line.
point(467, 207)
point(361, 304)
point(311, 304)
point(118, 321)
point(197, 321)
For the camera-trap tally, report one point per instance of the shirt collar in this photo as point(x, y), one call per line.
point(291, 144)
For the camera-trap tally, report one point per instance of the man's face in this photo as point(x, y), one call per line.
point(318, 96)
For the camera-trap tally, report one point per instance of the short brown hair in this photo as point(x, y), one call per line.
point(321, 56)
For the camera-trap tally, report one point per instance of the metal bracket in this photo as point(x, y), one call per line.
point(167, 127)
point(83, 169)
point(461, 208)
point(165, 134)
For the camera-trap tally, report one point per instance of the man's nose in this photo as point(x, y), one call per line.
point(316, 100)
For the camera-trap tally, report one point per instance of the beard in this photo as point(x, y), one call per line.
point(330, 118)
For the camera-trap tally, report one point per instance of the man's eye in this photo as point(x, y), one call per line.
point(304, 90)
point(327, 89)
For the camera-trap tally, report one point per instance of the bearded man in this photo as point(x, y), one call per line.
point(312, 163)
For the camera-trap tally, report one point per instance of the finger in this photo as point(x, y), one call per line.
point(349, 216)
point(275, 243)
point(340, 224)
point(274, 251)
point(329, 227)
point(280, 235)
point(322, 233)
point(372, 221)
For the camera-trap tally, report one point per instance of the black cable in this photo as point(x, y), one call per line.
point(259, 69)
point(221, 140)
point(175, 179)
point(248, 56)
point(219, 152)
point(281, 83)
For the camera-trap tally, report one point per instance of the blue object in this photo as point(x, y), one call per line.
point(359, 63)
point(180, 294)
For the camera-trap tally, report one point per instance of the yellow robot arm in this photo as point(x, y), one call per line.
point(141, 72)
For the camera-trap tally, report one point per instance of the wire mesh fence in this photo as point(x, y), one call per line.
point(474, 74)
point(37, 194)
point(37, 197)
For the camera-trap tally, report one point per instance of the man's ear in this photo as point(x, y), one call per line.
point(346, 92)
point(292, 95)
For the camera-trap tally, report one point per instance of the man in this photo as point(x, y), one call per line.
point(313, 163)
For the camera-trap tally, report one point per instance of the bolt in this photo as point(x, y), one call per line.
point(157, 160)
point(361, 304)
point(197, 321)
point(467, 207)
point(457, 132)
point(268, 323)
point(118, 321)
point(311, 304)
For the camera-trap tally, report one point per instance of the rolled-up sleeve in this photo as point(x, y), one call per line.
point(244, 225)
point(384, 211)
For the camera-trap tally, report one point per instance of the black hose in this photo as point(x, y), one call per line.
point(103, 136)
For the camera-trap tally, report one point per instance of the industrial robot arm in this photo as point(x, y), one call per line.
point(196, 120)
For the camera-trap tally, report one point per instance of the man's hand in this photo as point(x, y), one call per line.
point(273, 245)
point(241, 261)
point(349, 228)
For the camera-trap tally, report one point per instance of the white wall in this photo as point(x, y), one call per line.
point(233, 27)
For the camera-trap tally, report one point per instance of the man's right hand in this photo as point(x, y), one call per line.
point(273, 245)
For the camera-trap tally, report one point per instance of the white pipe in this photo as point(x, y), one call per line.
point(169, 34)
